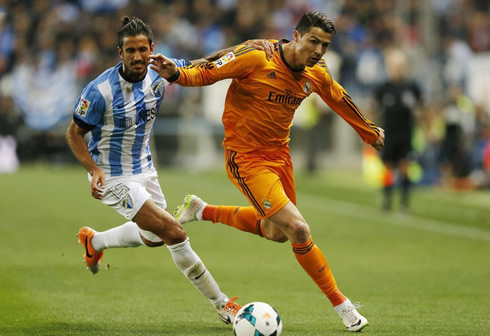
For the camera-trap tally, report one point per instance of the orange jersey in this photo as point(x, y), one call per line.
point(264, 95)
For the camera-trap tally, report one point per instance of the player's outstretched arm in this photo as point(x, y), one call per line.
point(163, 65)
point(259, 44)
point(208, 73)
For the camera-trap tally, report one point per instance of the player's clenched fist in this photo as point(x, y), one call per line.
point(380, 142)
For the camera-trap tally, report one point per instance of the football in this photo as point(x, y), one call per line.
point(257, 319)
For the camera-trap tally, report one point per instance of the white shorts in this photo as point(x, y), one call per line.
point(127, 194)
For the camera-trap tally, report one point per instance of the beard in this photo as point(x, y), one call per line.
point(136, 70)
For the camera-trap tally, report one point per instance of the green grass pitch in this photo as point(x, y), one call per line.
point(427, 273)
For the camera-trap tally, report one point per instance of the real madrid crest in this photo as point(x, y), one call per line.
point(267, 204)
point(307, 86)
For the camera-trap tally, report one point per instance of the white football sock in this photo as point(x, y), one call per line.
point(189, 263)
point(200, 211)
point(126, 235)
point(343, 305)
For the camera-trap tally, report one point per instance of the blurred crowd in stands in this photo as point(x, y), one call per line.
point(50, 49)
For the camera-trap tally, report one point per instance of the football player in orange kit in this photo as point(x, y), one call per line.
point(259, 109)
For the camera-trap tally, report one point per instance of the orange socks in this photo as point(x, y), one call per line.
point(308, 254)
point(242, 218)
point(315, 264)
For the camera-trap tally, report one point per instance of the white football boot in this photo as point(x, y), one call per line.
point(190, 210)
point(227, 310)
point(349, 315)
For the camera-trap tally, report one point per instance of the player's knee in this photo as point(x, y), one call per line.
point(273, 232)
point(300, 230)
point(169, 230)
point(175, 238)
point(173, 233)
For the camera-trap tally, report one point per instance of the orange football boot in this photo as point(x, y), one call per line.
point(92, 256)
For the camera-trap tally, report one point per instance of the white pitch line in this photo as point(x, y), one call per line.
point(359, 211)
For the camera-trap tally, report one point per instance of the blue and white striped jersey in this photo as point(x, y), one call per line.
point(120, 115)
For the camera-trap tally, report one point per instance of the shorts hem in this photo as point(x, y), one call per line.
point(274, 210)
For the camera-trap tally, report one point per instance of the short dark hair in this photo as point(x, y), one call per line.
point(132, 26)
point(315, 19)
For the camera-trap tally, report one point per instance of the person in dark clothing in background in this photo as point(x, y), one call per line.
point(397, 100)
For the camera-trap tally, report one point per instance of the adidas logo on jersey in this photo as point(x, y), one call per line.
point(272, 75)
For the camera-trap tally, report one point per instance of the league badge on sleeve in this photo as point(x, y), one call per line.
point(82, 107)
point(225, 59)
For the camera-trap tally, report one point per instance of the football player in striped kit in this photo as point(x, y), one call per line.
point(119, 108)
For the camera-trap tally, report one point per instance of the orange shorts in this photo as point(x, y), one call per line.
point(265, 178)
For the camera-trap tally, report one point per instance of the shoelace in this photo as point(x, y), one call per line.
point(348, 312)
point(232, 307)
point(176, 211)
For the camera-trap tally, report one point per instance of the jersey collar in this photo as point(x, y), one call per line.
point(280, 43)
point(126, 78)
